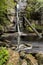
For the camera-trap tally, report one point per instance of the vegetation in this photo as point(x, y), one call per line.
point(4, 55)
point(34, 13)
point(34, 9)
point(12, 57)
point(6, 6)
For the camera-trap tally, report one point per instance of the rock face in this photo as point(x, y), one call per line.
point(24, 62)
point(29, 58)
point(32, 59)
point(22, 58)
point(14, 58)
point(39, 57)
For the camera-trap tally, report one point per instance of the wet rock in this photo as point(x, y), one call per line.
point(13, 48)
point(22, 54)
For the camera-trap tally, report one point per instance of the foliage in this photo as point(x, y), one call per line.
point(33, 8)
point(5, 6)
point(29, 28)
point(4, 55)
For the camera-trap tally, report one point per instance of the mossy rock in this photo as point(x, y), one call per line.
point(39, 57)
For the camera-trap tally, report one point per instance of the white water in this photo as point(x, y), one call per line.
point(21, 5)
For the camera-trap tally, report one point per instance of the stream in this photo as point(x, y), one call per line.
point(37, 45)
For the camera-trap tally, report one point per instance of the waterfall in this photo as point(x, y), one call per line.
point(19, 47)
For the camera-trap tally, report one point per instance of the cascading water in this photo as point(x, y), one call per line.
point(20, 6)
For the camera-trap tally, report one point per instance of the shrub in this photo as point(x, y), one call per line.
point(4, 55)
